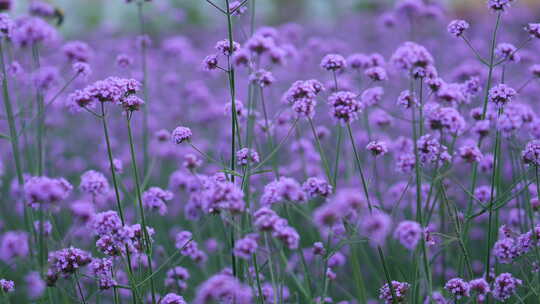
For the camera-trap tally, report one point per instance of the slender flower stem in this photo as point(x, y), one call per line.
point(13, 137)
point(40, 116)
point(144, 70)
point(147, 242)
point(359, 166)
point(77, 282)
point(494, 177)
point(321, 151)
point(117, 195)
point(338, 152)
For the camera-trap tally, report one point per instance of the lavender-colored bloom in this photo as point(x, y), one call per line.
point(533, 29)
point(408, 233)
point(223, 287)
point(177, 276)
point(505, 286)
point(262, 78)
point(45, 190)
point(7, 286)
point(315, 186)
point(376, 74)
point(479, 287)
point(224, 47)
point(531, 153)
point(68, 260)
point(124, 61)
point(181, 134)
point(285, 189)
point(376, 227)
point(499, 5)
point(400, 289)
point(377, 148)
point(94, 183)
point(245, 156)
point(245, 247)
point(507, 51)
point(333, 62)
point(505, 250)
point(344, 106)
point(372, 96)
point(45, 78)
point(81, 68)
point(35, 286)
point(457, 27)
point(77, 51)
point(6, 25)
point(13, 244)
point(32, 30)
point(210, 63)
point(104, 223)
point(413, 58)
point(470, 153)
point(172, 298)
point(501, 94)
point(155, 198)
point(407, 99)
point(458, 287)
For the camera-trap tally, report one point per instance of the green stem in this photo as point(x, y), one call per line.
point(147, 242)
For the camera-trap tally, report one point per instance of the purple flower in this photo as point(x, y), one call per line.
point(13, 244)
point(377, 148)
point(501, 94)
point(94, 183)
point(344, 106)
point(458, 287)
point(376, 227)
point(507, 51)
point(35, 285)
point(499, 5)
point(372, 96)
point(315, 186)
point(400, 289)
point(181, 134)
point(224, 47)
point(412, 58)
point(531, 153)
point(245, 156)
point(407, 99)
point(68, 260)
point(457, 27)
point(479, 287)
point(172, 298)
point(470, 153)
point(155, 198)
point(333, 62)
point(245, 247)
point(376, 74)
point(408, 233)
point(177, 276)
point(7, 285)
point(45, 190)
point(505, 286)
point(284, 189)
point(262, 78)
point(32, 30)
point(533, 29)
point(210, 63)
point(77, 51)
point(223, 287)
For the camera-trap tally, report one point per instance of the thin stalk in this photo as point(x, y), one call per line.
point(495, 174)
point(40, 116)
point(144, 67)
point(77, 282)
point(321, 151)
point(338, 152)
point(117, 194)
point(14, 139)
point(148, 245)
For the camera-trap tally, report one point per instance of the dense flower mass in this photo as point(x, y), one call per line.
point(350, 152)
